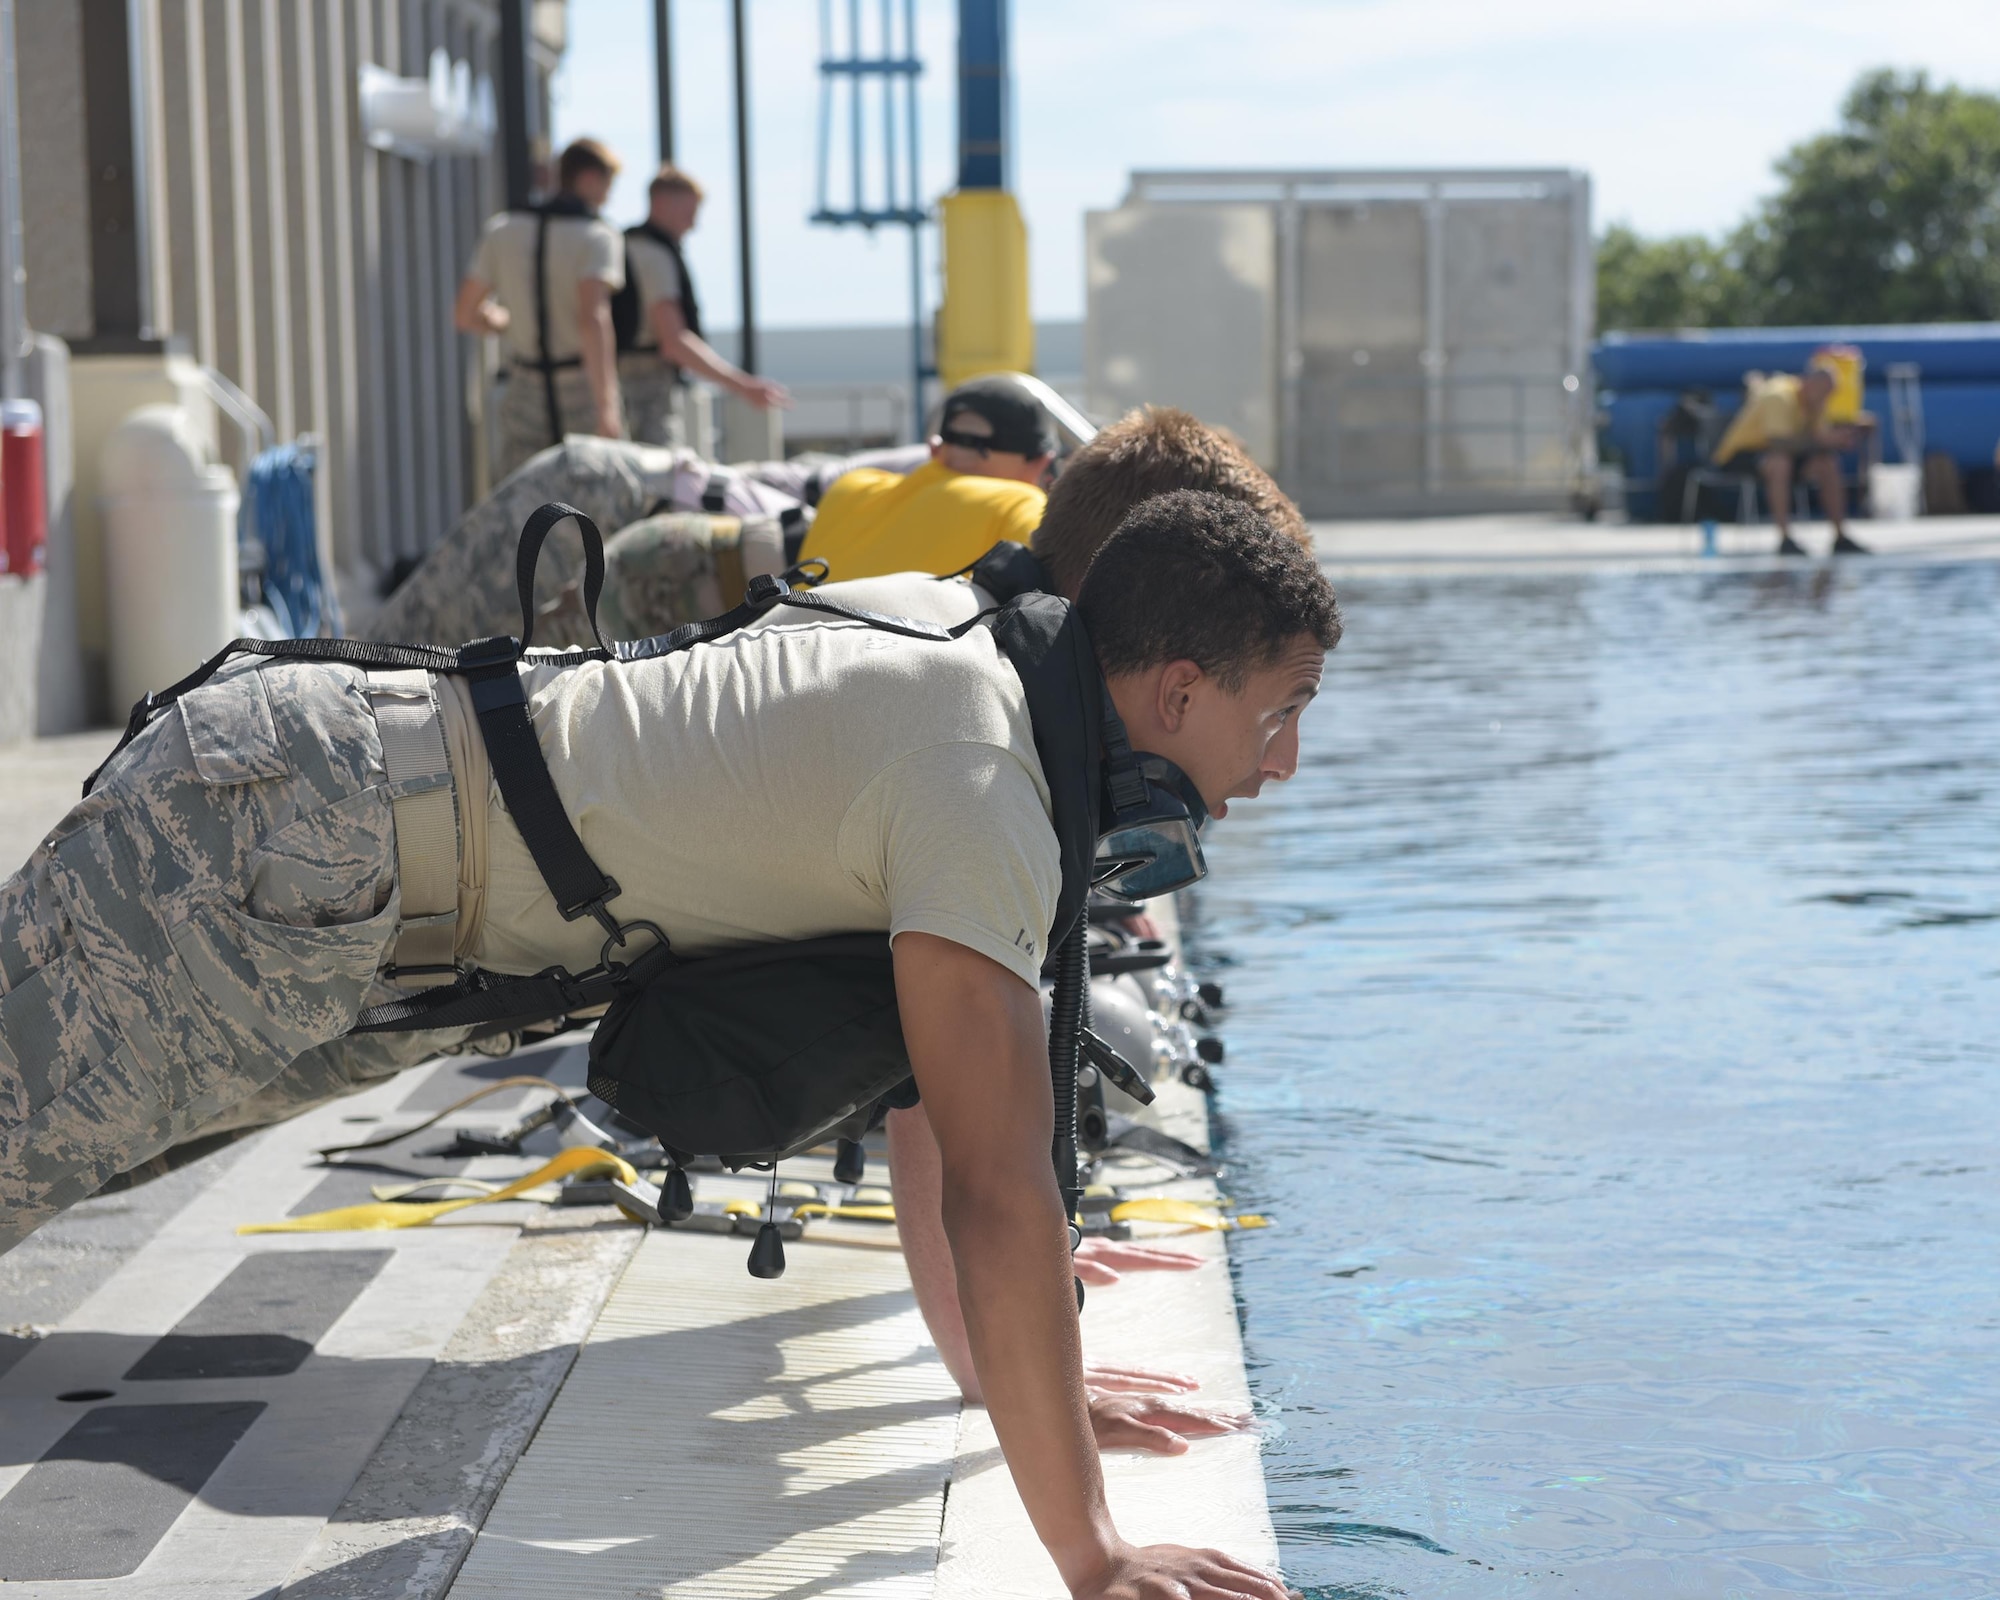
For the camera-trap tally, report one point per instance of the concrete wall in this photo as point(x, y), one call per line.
point(280, 249)
point(55, 200)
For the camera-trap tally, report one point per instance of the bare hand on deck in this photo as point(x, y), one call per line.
point(1101, 1261)
point(1152, 1423)
point(1170, 1572)
point(1115, 1378)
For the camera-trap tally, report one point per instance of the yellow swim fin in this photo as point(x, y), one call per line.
point(1189, 1213)
point(415, 1213)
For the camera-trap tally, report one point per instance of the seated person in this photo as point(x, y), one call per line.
point(1783, 429)
point(229, 896)
point(992, 451)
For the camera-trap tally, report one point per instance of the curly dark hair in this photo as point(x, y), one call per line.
point(1153, 450)
point(1198, 576)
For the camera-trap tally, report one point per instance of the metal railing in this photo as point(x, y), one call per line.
point(852, 401)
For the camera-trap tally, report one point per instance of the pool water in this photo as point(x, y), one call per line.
point(1615, 1033)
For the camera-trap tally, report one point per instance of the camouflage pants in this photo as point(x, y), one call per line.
point(465, 587)
point(525, 424)
point(652, 392)
point(679, 567)
point(212, 915)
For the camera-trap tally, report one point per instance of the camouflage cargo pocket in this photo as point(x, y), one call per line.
point(231, 733)
point(278, 991)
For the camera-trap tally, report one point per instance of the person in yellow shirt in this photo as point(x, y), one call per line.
point(1783, 429)
point(983, 483)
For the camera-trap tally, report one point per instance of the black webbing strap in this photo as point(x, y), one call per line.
point(497, 999)
point(349, 652)
point(493, 671)
point(486, 999)
point(534, 533)
point(546, 363)
point(765, 592)
point(1123, 778)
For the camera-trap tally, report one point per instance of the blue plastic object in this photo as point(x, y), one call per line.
point(279, 515)
point(1717, 358)
point(1640, 378)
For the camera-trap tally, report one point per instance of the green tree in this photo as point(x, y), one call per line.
point(1892, 217)
point(1684, 281)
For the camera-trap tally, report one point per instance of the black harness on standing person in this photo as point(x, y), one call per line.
point(756, 1054)
point(561, 205)
point(628, 313)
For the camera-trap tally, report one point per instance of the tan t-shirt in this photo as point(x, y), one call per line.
point(579, 248)
point(653, 270)
point(781, 783)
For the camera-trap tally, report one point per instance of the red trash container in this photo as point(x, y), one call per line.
point(22, 486)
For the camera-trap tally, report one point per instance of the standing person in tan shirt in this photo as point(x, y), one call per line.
point(658, 320)
point(542, 280)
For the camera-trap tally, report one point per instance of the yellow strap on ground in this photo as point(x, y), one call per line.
point(415, 1213)
point(1189, 1213)
point(861, 1213)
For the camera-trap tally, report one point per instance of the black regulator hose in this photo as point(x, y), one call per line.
point(1069, 1015)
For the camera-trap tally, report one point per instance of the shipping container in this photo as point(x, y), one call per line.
point(1388, 343)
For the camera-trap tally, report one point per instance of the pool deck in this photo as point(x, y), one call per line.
point(523, 1400)
point(1514, 544)
point(531, 1401)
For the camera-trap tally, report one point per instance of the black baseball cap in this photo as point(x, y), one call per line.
point(1020, 425)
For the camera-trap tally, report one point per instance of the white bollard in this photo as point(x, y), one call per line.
point(169, 518)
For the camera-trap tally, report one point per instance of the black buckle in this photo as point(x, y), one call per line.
point(500, 650)
point(1128, 787)
point(765, 588)
point(595, 908)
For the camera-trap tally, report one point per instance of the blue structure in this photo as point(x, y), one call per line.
point(879, 90)
point(982, 95)
point(1642, 377)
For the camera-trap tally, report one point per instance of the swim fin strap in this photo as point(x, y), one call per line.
point(416, 1213)
point(1190, 1213)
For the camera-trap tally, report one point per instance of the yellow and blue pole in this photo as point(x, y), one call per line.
point(983, 324)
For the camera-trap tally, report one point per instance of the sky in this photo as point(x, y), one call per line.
point(1677, 112)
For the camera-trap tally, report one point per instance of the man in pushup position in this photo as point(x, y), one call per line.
point(228, 896)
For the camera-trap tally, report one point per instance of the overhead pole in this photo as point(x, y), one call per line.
point(15, 339)
point(746, 354)
point(984, 324)
point(982, 94)
point(663, 74)
point(516, 94)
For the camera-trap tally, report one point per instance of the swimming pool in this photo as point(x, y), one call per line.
point(1615, 1033)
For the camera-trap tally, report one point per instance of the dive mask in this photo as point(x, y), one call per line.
point(1151, 844)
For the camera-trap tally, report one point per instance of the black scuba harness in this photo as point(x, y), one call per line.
point(694, 1021)
point(628, 318)
point(562, 205)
